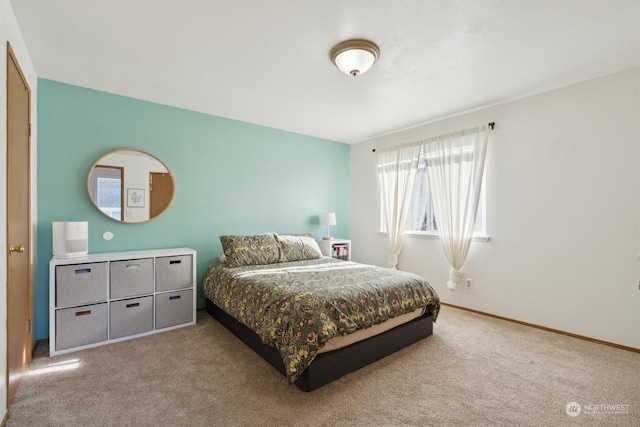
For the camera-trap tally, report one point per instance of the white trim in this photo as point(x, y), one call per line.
point(434, 235)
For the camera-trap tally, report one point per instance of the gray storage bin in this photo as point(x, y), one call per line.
point(130, 317)
point(83, 325)
point(131, 278)
point(174, 308)
point(78, 284)
point(174, 272)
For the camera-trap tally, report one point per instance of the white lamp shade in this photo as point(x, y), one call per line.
point(328, 218)
point(355, 61)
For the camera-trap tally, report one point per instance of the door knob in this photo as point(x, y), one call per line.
point(19, 249)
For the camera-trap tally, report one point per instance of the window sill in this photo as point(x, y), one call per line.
point(433, 235)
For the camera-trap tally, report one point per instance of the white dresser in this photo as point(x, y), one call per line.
point(116, 296)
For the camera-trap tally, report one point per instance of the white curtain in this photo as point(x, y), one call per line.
point(455, 164)
point(397, 173)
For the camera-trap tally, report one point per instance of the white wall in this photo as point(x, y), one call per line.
point(9, 31)
point(563, 211)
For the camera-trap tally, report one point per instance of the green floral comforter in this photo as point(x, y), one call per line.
point(298, 306)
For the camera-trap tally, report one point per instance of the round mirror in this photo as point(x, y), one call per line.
point(130, 185)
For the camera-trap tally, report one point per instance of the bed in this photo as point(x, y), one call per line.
point(314, 318)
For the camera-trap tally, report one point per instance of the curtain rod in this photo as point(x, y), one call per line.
point(491, 125)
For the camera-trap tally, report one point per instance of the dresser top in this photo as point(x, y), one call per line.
point(115, 256)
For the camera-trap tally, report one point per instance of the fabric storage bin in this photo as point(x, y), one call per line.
point(78, 284)
point(174, 272)
point(83, 325)
point(131, 278)
point(130, 317)
point(174, 308)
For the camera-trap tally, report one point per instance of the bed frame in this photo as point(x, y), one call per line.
point(332, 365)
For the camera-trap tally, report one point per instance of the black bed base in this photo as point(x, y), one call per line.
point(332, 365)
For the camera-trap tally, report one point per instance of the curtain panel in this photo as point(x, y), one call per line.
point(455, 166)
point(397, 174)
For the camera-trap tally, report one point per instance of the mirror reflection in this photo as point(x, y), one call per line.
point(130, 185)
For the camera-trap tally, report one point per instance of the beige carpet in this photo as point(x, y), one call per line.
point(474, 370)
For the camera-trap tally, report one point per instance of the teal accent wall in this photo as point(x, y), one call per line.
point(231, 177)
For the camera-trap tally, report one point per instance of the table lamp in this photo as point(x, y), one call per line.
point(328, 219)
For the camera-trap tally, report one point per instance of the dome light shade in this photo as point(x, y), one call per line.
point(354, 57)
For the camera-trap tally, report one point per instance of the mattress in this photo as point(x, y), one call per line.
point(337, 343)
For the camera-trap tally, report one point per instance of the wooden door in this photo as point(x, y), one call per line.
point(160, 192)
point(18, 226)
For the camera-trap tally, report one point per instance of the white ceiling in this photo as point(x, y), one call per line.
point(267, 61)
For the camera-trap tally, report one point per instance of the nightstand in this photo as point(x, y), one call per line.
point(336, 248)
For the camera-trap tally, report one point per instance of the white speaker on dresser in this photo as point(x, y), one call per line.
point(70, 239)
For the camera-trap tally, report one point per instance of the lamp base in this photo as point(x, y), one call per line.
point(327, 238)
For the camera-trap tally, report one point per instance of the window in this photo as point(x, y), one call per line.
point(105, 188)
point(108, 196)
point(420, 218)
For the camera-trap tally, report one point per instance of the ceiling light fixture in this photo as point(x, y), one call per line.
point(354, 57)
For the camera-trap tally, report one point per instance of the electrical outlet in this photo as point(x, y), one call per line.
point(468, 282)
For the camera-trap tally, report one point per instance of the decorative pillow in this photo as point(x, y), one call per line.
point(258, 249)
point(298, 247)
